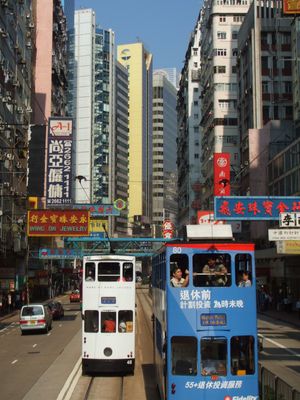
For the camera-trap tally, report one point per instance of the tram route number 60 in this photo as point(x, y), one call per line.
point(177, 250)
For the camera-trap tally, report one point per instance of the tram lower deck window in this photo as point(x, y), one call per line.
point(242, 355)
point(108, 321)
point(213, 356)
point(91, 321)
point(184, 355)
point(125, 321)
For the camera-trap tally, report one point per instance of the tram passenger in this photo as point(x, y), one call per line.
point(245, 281)
point(109, 325)
point(122, 326)
point(90, 273)
point(209, 364)
point(216, 273)
point(177, 280)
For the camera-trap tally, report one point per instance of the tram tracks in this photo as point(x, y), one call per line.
point(143, 296)
point(108, 388)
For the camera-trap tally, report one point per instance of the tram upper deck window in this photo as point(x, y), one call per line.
point(242, 355)
point(128, 272)
point(108, 271)
point(91, 321)
point(90, 271)
point(213, 356)
point(179, 270)
point(211, 270)
point(184, 355)
point(243, 270)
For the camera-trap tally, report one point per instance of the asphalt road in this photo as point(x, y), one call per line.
point(24, 359)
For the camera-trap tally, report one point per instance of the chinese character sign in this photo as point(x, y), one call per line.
point(254, 207)
point(58, 223)
point(221, 174)
point(98, 209)
point(59, 161)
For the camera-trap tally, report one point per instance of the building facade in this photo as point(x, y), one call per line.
point(164, 176)
point(220, 24)
point(265, 77)
point(17, 42)
point(98, 99)
point(138, 62)
point(189, 136)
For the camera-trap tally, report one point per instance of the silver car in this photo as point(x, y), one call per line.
point(35, 317)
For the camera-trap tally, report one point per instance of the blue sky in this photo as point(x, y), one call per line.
point(164, 26)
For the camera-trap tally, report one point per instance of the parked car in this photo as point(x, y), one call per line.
point(75, 296)
point(56, 309)
point(35, 317)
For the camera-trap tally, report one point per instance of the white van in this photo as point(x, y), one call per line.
point(35, 317)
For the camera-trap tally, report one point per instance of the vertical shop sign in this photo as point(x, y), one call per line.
point(221, 174)
point(59, 161)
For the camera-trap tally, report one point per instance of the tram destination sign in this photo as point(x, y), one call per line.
point(254, 207)
point(213, 320)
point(284, 234)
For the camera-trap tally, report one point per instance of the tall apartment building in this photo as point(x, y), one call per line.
point(50, 77)
point(98, 100)
point(220, 24)
point(164, 176)
point(16, 48)
point(189, 139)
point(138, 62)
point(265, 81)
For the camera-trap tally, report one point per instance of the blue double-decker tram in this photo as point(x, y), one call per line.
point(204, 311)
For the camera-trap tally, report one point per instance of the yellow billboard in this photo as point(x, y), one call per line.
point(96, 225)
point(288, 247)
point(291, 6)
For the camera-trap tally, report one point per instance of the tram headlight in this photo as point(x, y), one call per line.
point(107, 351)
point(173, 388)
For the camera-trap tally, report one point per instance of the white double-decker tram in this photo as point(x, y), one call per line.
point(108, 312)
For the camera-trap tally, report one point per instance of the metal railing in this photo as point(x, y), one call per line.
point(273, 388)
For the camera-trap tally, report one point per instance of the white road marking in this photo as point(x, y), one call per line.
point(14, 361)
point(281, 346)
point(34, 345)
point(49, 334)
point(60, 325)
point(69, 386)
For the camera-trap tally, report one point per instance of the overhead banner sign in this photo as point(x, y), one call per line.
point(254, 207)
point(59, 162)
point(98, 209)
point(58, 223)
point(288, 247)
point(221, 174)
point(283, 234)
point(60, 253)
point(291, 7)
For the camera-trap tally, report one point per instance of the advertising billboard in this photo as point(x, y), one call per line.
point(59, 162)
point(58, 223)
point(291, 7)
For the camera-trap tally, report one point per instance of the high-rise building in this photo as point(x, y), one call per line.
point(220, 24)
point(138, 62)
point(17, 36)
point(171, 74)
point(189, 139)
point(69, 10)
point(97, 105)
point(164, 176)
point(265, 81)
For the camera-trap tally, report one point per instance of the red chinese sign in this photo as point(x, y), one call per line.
point(221, 174)
point(255, 207)
point(168, 229)
point(58, 223)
